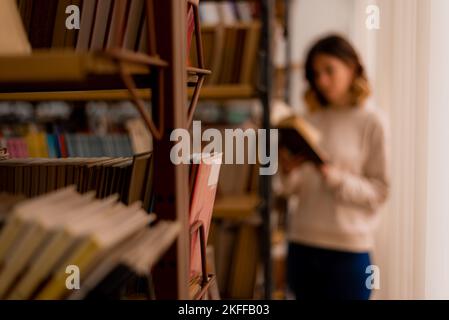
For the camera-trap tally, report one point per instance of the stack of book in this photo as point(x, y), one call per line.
point(105, 176)
point(49, 241)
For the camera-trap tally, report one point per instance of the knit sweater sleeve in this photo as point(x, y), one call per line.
point(370, 189)
point(291, 183)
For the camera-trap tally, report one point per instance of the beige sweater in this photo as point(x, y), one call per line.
point(340, 212)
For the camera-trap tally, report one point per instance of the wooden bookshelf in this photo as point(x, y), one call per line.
point(68, 75)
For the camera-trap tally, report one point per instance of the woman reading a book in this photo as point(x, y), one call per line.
point(331, 226)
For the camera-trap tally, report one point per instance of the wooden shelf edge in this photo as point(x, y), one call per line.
point(67, 65)
point(236, 207)
point(220, 92)
point(228, 91)
point(108, 95)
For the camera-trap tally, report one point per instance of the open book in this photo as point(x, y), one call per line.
point(300, 138)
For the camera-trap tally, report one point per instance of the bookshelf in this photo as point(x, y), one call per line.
point(67, 75)
point(238, 208)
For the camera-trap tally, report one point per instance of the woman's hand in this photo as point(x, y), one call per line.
point(331, 174)
point(288, 162)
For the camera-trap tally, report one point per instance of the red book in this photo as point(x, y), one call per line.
point(62, 147)
point(190, 29)
point(202, 204)
point(23, 148)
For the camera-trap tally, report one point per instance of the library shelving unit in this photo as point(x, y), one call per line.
point(237, 207)
point(161, 75)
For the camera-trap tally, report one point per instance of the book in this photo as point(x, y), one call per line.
point(202, 202)
point(209, 13)
point(134, 22)
point(13, 37)
point(124, 176)
point(301, 138)
point(227, 13)
point(25, 9)
point(242, 277)
point(244, 11)
point(71, 36)
point(134, 257)
point(190, 26)
point(140, 170)
point(118, 17)
point(142, 45)
point(60, 30)
point(251, 47)
point(42, 23)
point(33, 235)
point(102, 17)
point(87, 21)
point(140, 136)
point(103, 236)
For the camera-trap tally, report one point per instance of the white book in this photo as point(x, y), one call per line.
point(244, 11)
point(227, 13)
point(209, 13)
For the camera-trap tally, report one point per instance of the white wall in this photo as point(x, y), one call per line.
point(309, 20)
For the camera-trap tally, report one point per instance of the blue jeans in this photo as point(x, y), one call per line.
point(315, 273)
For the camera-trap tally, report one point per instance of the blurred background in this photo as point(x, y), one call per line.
point(407, 66)
point(406, 60)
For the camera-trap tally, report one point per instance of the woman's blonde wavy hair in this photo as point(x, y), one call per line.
point(339, 47)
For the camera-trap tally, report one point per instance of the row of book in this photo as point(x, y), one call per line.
point(230, 47)
point(42, 145)
point(126, 177)
point(64, 245)
point(45, 24)
point(97, 114)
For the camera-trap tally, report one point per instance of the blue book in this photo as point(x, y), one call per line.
point(52, 146)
